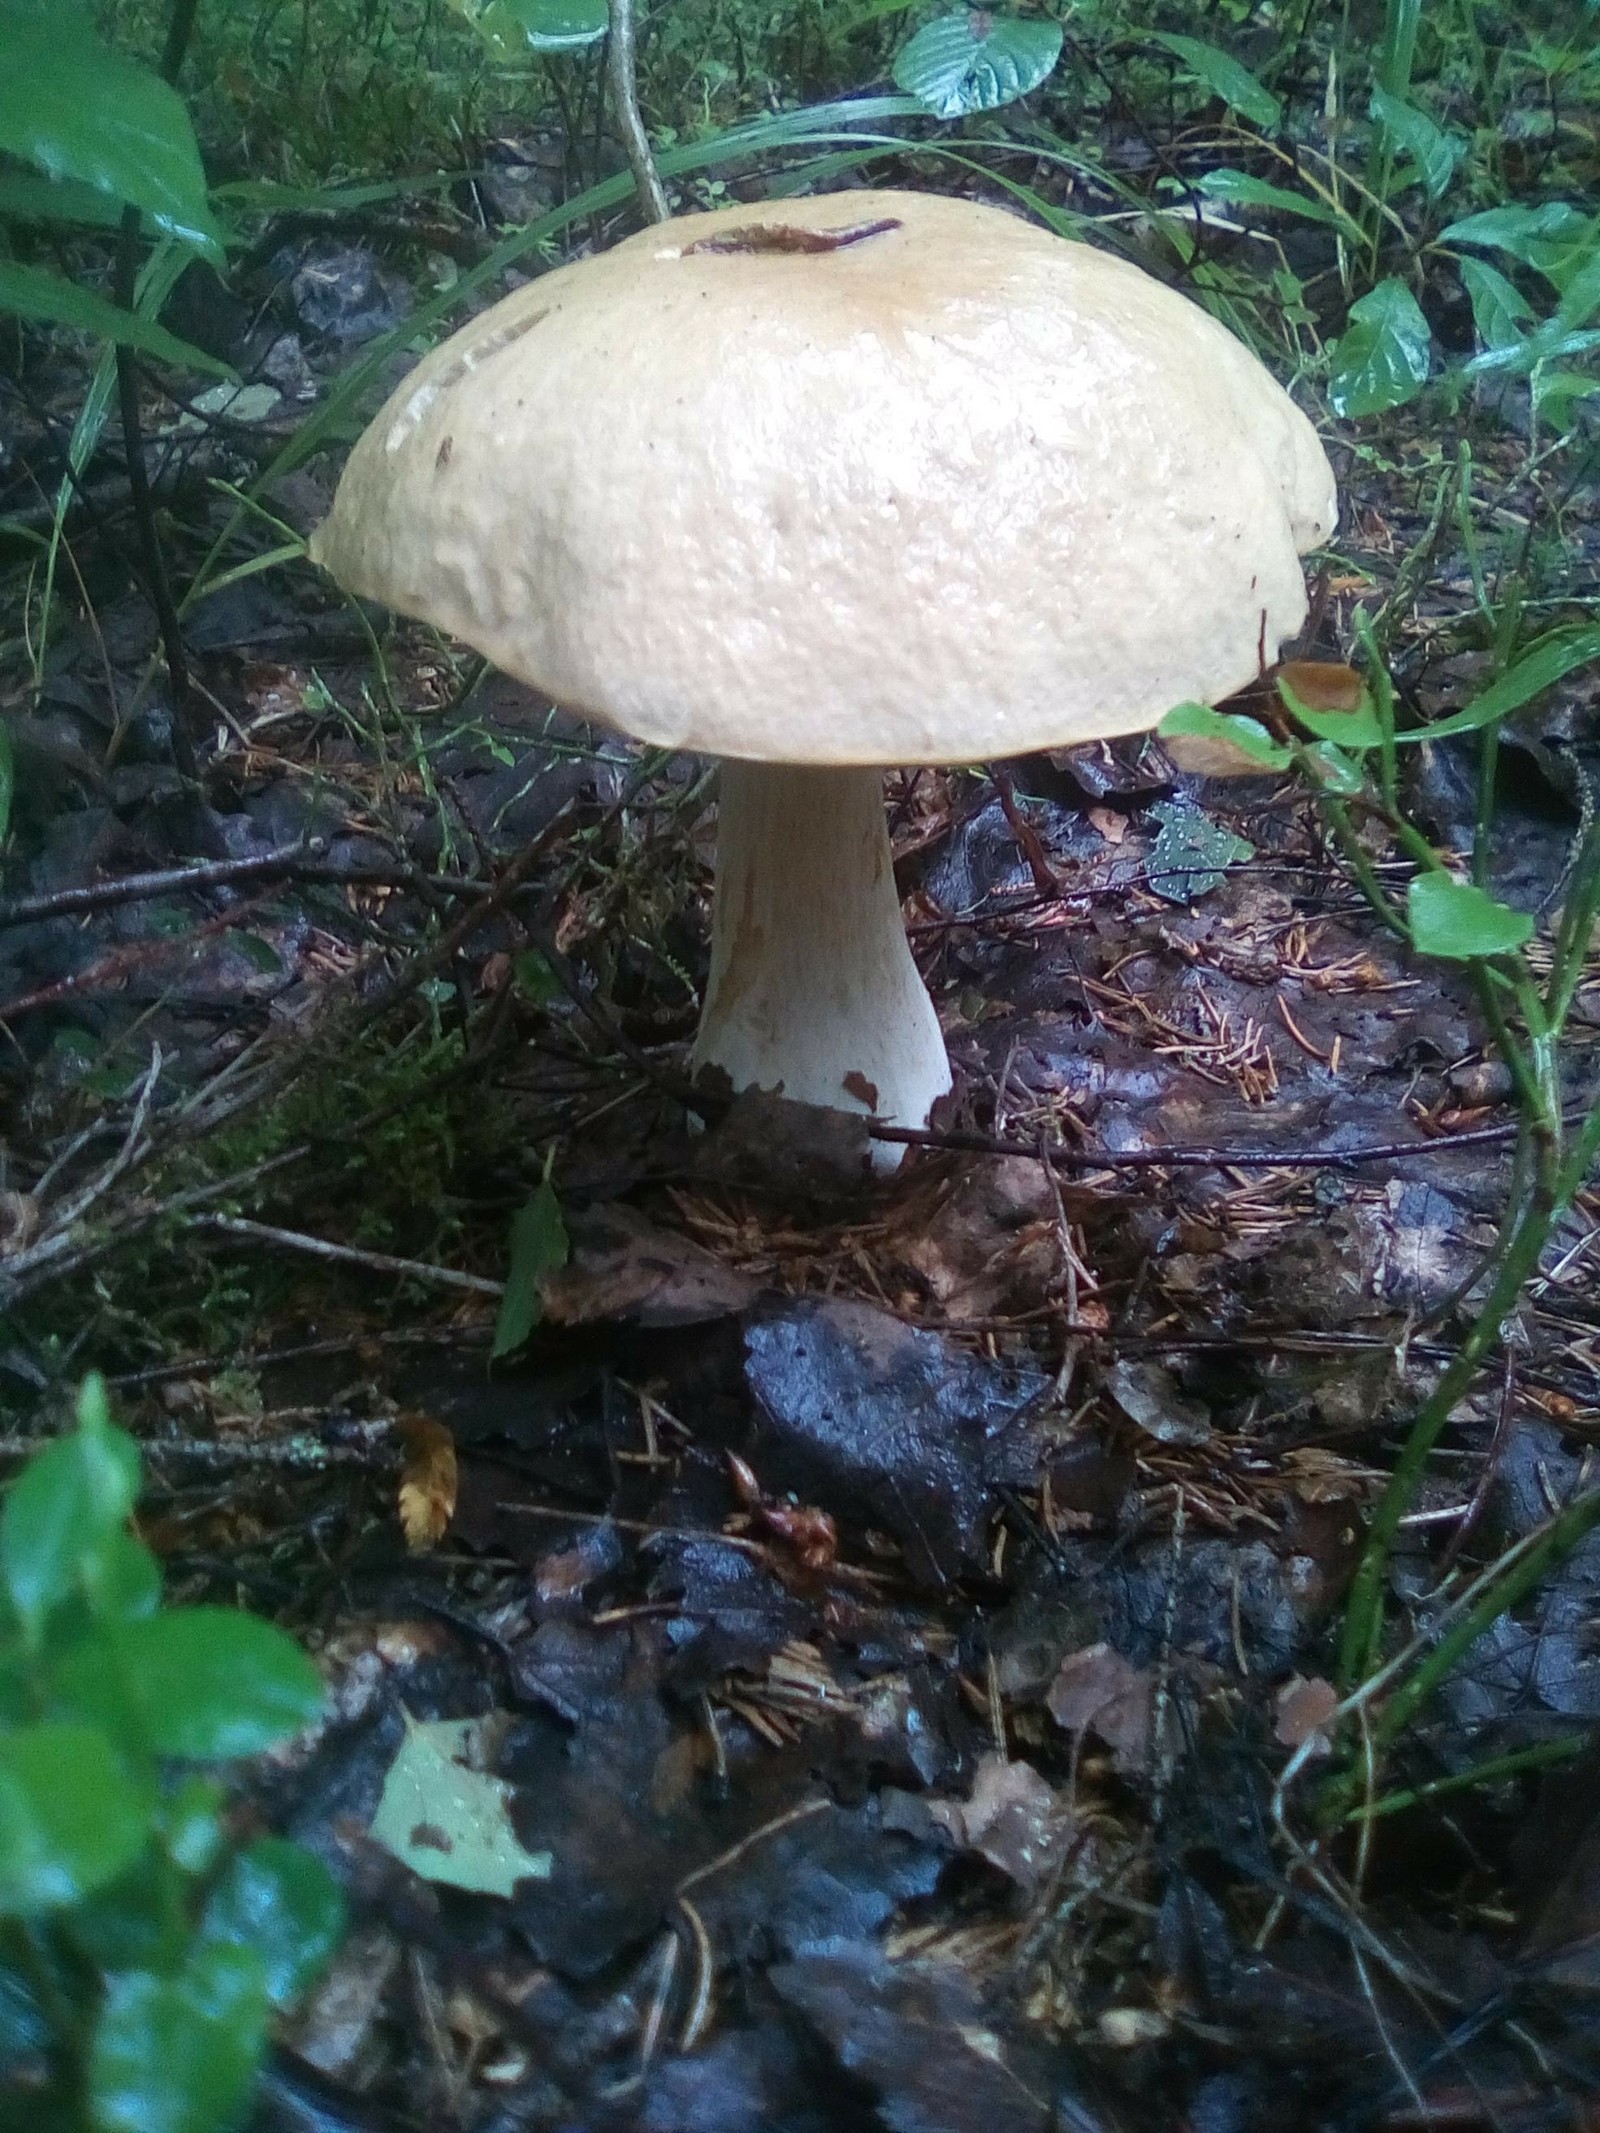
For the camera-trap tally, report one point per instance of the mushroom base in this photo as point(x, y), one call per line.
point(813, 994)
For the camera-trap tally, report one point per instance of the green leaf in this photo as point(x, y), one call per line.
point(179, 2054)
point(976, 61)
point(77, 109)
point(538, 1246)
point(1457, 920)
point(1239, 188)
point(1381, 359)
point(1432, 151)
point(1554, 657)
point(29, 292)
point(191, 1824)
point(1191, 853)
point(25, 196)
point(1355, 730)
point(1248, 735)
point(282, 1903)
point(1556, 240)
point(513, 28)
point(1500, 311)
point(1335, 771)
point(71, 1819)
point(1230, 83)
point(209, 1683)
point(447, 1821)
point(65, 1512)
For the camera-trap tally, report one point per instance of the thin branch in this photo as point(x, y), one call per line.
point(294, 1240)
point(624, 76)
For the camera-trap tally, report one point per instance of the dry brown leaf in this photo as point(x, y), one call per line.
point(1112, 826)
point(1097, 1691)
point(1303, 1710)
point(428, 1480)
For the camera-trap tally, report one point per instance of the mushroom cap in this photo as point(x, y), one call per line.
point(880, 477)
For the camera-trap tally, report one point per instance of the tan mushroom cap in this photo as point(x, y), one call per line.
point(880, 477)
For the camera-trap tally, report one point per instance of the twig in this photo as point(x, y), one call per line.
point(1191, 1158)
point(301, 861)
point(123, 962)
point(294, 1240)
point(622, 67)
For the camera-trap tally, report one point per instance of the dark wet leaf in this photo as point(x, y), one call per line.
point(732, 1611)
point(624, 1266)
point(1192, 852)
point(878, 1420)
point(1149, 1395)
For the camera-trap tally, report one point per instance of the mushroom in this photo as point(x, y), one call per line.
point(825, 485)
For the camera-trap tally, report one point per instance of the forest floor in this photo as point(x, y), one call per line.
point(902, 1617)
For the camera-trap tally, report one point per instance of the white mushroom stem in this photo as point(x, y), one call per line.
point(813, 994)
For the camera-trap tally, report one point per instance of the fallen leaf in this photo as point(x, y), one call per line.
point(1097, 1691)
point(623, 1266)
point(1303, 1709)
point(1011, 1820)
point(428, 1480)
point(447, 1821)
point(1112, 826)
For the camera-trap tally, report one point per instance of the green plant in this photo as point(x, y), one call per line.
point(143, 1951)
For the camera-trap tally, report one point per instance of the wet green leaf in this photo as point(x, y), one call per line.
point(279, 1901)
point(1354, 730)
point(29, 292)
point(538, 1246)
point(211, 1683)
point(1381, 360)
point(178, 2054)
point(976, 61)
point(1458, 920)
point(1191, 853)
point(1556, 240)
point(1229, 82)
point(1433, 153)
point(1239, 188)
point(513, 28)
point(1551, 660)
point(78, 110)
point(1248, 735)
point(63, 1520)
point(71, 1819)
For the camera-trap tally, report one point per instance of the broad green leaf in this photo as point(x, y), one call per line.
point(1554, 657)
point(281, 1902)
point(1432, 151)
point(1229, 82)
point(976, 61)
point(1381, 359)
point(1247, 735)
point(179, 2054)
point(71, 1819)
point(1555, 239)
point(123, 1580)
point(25, 196)
point(1500, 311)
point(448, 1822)
point(538, 1246)
point(191, 1824)
point(211, 1683)
point(512, 29)
point(1356, 730)
point(65, 1512)
point(1239, 188)
point(77, 109)
point(1335, 771)
point(30, 292)
point(1458, 920)
point(1191, 852)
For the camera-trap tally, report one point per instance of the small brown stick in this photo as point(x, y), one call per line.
point(293, 1240)
point(1190, 1158)
point(123, 963)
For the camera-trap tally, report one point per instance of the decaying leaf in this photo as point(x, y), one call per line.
point(1097, 1691)
point(446, 1820)
point(428, 1480)
point(1012, 1820)
point(1302, 1710)
point(624, 1266)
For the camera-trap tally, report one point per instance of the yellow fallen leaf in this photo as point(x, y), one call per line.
point(428, 1480)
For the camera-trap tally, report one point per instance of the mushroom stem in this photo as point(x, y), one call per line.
point(813, 994)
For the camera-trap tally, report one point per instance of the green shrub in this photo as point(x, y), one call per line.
point(143, 1952)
